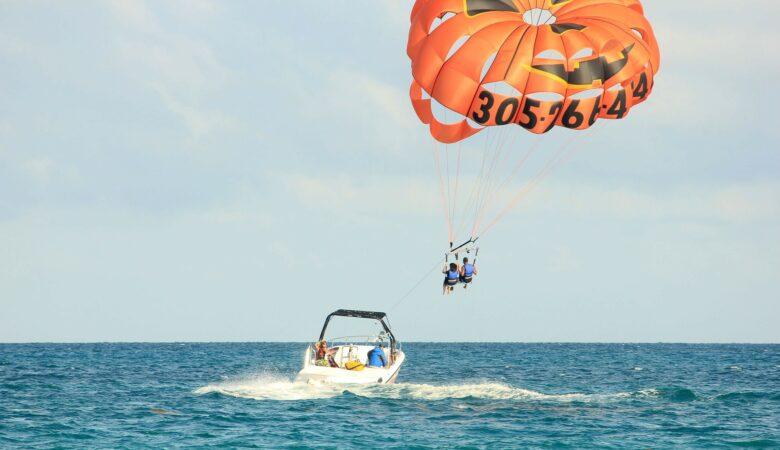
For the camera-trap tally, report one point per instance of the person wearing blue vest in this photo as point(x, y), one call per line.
point(467, 272)
point(451, 277)
point(376, 357)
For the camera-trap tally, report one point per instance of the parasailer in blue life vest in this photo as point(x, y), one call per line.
point(467, 272)
point(451, 277)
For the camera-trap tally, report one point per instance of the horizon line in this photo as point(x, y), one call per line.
point(406, 342)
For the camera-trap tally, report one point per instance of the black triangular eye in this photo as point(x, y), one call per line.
point(561, 28)
point(474, 7)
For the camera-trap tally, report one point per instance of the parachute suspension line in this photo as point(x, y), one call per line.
point(531, 150)
point(564, 151)
point(442, 196)
point(490, 153)
point(451, 200)
point(449, 197)
point(457, 183)
point(475, 186)
point(504, 184)
point(466, 206)
point(489, 191)
point(564, 154)
point(416, 285)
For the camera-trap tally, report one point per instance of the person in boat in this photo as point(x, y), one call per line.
point(376, 357)
point(451, 277)
point(321, 349)
point(324, 355)
point(467, 272)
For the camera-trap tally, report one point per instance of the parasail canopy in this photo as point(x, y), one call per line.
point(534, 63)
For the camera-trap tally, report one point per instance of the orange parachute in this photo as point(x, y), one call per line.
point(534, 63)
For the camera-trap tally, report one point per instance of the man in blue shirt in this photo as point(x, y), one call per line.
point(376, 357)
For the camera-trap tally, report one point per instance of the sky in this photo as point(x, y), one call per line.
point(234, 171)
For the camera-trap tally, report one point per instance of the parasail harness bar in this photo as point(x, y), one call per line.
point(466, 247)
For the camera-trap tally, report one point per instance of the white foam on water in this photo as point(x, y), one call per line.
point(272, 387)
point(648, 393)
point(275, 387)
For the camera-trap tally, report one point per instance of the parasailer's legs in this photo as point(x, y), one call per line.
point(448, 286)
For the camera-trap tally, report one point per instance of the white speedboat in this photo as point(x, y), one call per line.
point(346, 359)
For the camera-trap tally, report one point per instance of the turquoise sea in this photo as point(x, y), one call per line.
point(241, 395)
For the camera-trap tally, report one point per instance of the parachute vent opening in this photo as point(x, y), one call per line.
point(457, 45)
point(590, 93)
point(488, 64)
point(551, 54)
point(502, 88)
point(473, 124)
point(538, 17)
point(440, 20)
point(583, 53)
point(546, 96)
point(444, 114)
point(638, 33)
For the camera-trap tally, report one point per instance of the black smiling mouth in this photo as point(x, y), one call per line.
point(588, 72)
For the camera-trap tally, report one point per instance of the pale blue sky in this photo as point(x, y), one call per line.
point(195, 170)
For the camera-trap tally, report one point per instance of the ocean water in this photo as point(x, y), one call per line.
point(447, 396)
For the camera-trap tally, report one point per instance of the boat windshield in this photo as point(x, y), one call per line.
point(372, 340)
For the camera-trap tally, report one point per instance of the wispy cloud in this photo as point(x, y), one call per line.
point(182, 69)
point(388, 195)
point(562, 259)
point(371, 115)
point(364, 195)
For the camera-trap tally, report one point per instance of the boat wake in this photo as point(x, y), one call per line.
point(271, 387)
point(274, 387)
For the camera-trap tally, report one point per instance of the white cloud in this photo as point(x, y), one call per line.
point(40, 169)
point(135, 15)
point(11, 45)
point(747, 202)
point(185, 72)
point(361, 195)
point(377, 116)
point(201, 122)
point(196, 10)
point(396, 12)
point(739, 203)
point(237, 214)
point(563, 259)
point(44, 171)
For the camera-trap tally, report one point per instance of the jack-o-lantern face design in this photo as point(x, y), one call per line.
point(565, 62)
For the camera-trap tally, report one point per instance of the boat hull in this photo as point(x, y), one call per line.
point(370, 375)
